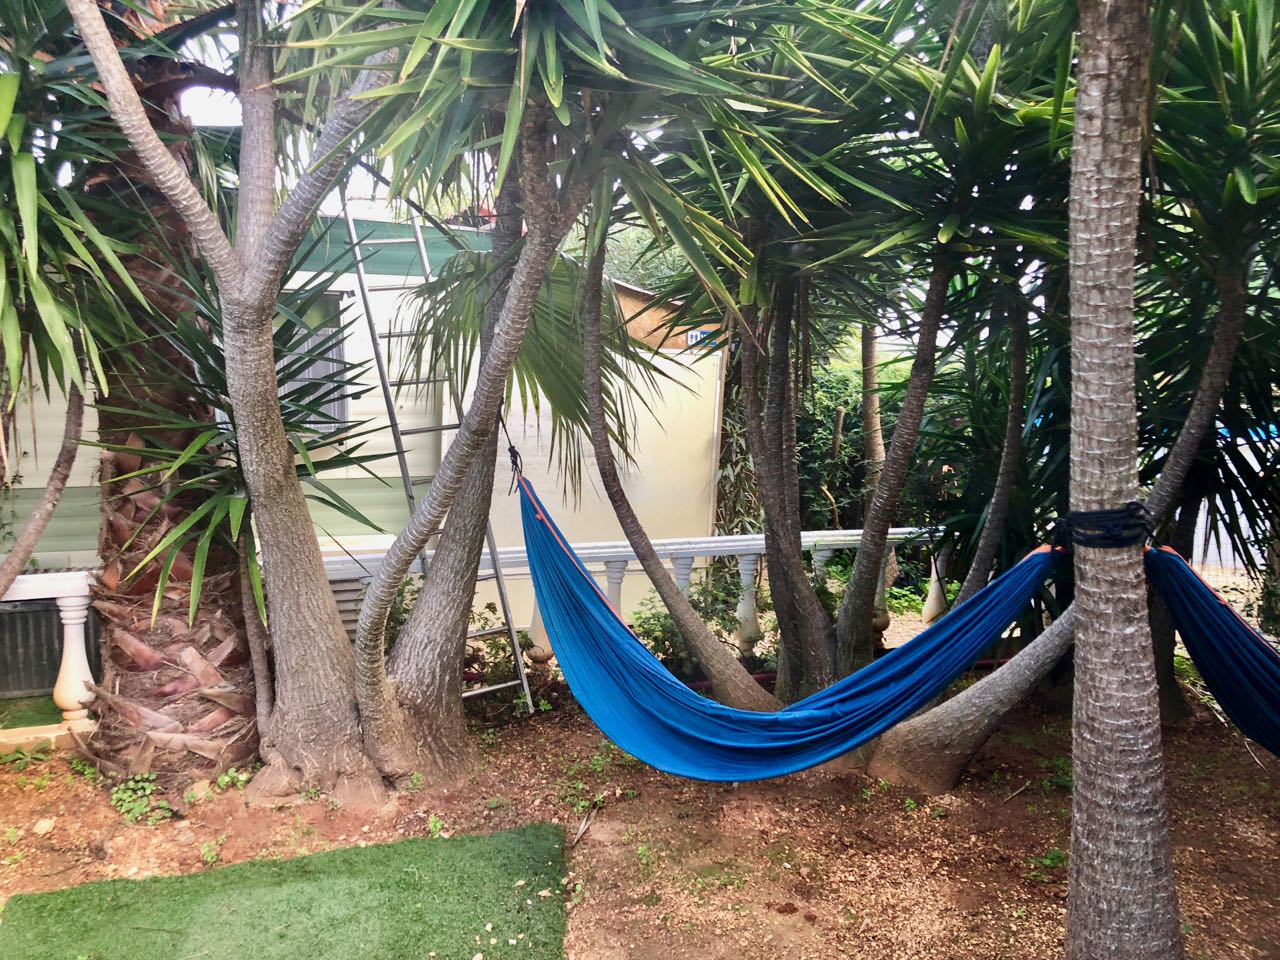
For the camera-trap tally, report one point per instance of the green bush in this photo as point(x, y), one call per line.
point(715, 600)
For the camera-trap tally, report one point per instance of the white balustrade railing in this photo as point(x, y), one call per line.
point(613, 559)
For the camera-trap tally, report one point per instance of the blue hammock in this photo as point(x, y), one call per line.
point(1241, 669)
point(651, 715)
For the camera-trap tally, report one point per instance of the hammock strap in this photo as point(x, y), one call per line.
point(517, 464)
point(1124, 526)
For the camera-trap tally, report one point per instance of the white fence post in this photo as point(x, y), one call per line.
point(615, 571)
point(748, 619)
point(69, 692)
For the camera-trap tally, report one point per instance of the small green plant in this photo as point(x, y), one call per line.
point(138, 798)
point(497, 803)
point(435, 826)
point(1059, 769)
point(544, 705)
point(84, 768)
point(938, 813)
point(211, 850)
point(20, 759)
point(311, 793)
point(910, 805)
point(1052, 860)
point(646, 855)
point(901, 601)
point(232, 778)
point(416, 781)
point(488, 737)
point(13, 859)
point(12, 835)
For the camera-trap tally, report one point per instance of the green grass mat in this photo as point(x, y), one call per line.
point(28, 712)
point(392, 902)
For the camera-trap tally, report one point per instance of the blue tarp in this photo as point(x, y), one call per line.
point(651, 715)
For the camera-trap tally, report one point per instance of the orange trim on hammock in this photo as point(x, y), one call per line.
point(539, 515)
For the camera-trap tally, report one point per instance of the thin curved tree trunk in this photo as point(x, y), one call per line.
point(854, 630)
point(550, 214)
point(872, 429)
point(931, 751)
point(29, 538)
point(426, 663)
point(732, 683)
point(1010, 454)
point(1164, 638)
point(1121, 899)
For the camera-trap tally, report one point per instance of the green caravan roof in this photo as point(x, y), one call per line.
point(389, 248)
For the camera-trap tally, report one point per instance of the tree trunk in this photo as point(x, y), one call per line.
point(1164, 639)
point(1121, 896)
point(853, 622)
point(1010, 455)
point(315, 737)
point(426, 662)
point(933, 750)
point(872, 429)
point(730, 680)
point(930, 751)
point(804, 660)
point(24, 546)
point(550, 214)
point(177, 695)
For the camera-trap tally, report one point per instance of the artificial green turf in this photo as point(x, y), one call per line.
point(392, 902)
point(28, 712)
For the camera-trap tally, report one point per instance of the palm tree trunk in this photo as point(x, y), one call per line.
point(426, 662)
point(16, 559)
point(1010, 455)
point(804, 660)
point(550, 213)
point(177, 696)
point(730, 680)
point(853, 622)
point(1121, 896)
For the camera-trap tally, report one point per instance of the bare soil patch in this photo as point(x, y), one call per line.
point(823, 864)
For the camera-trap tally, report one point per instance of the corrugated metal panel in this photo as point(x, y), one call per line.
point(31, 647)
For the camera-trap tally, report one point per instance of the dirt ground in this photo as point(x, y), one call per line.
point(823, 864)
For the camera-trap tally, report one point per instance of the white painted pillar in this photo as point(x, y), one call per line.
point(682, 567)
point(615, 571)
point(69, 692)
point(820, 557)
point(748, 619)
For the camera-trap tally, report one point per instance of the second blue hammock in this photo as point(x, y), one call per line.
point(651, 715)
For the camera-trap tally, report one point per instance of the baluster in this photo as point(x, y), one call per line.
point(821, 555)
point(615, 571)
point(748, 619)
point(682, 567)
point(69, 691)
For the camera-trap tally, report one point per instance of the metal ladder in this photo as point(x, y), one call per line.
point(398, 436)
